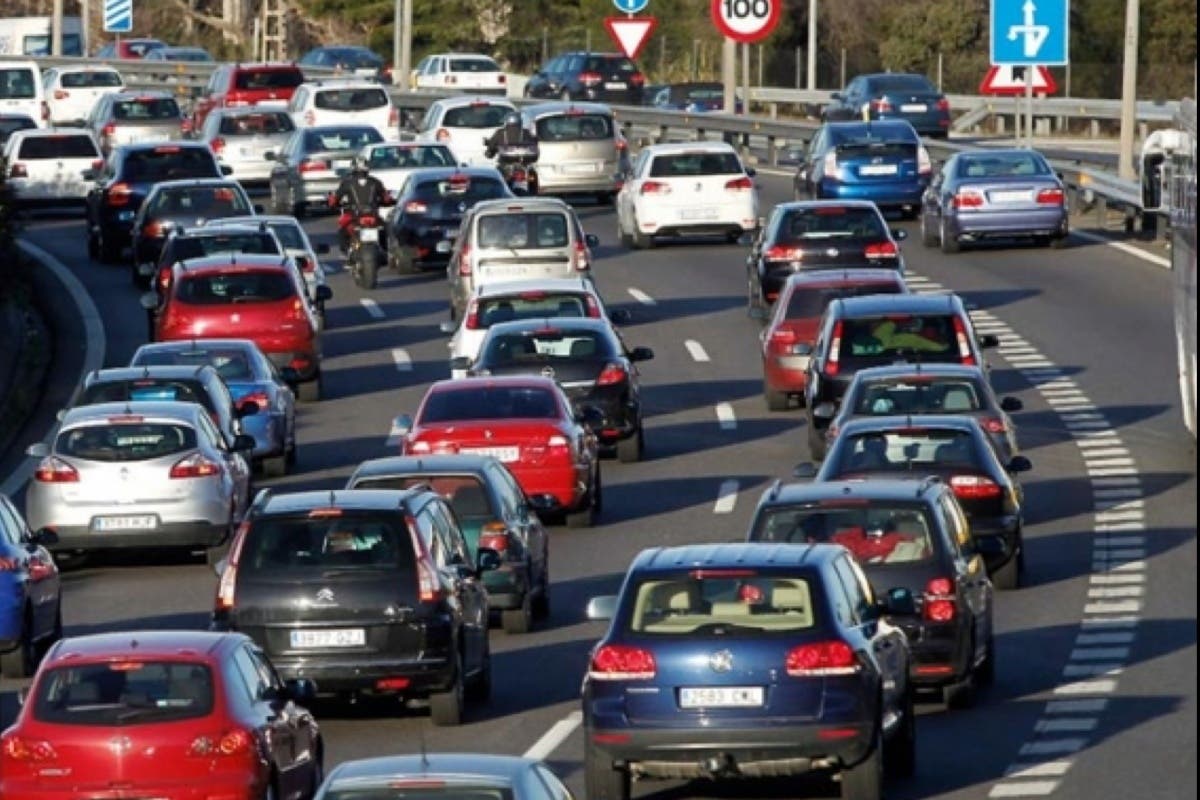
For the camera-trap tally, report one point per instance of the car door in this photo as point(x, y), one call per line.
point(268, 715)
point(239, 470)
point(44, 581)
point(970, 573)
point(472, 595)
point(521, 519)
point(298, 771)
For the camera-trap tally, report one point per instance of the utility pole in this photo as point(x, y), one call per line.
point(729, 73)
point(812, 45)
point(85, 27)
point(56, 26)
point(745, 79)
point(1129, 91)
point(406, 24)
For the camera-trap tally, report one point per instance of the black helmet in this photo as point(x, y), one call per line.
point(512, 120)
point(359, 164)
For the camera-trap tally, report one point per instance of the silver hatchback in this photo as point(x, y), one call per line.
point(241, 138)
point(139, 474)
point(136, 118)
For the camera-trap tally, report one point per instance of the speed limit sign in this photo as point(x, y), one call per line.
point(746, 21)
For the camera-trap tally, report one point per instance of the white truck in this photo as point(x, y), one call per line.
point(32, 36)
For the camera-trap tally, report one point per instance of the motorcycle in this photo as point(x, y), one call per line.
point(515, 162)
point(364, 250)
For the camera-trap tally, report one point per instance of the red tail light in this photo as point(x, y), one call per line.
point(368, 220)
point(1051, 197)
point(964, 346)
point(429, 590)
point(881, 105)
point(236, 742)
point(620, 662)
point(939, 604)
point(558, 445)
point(260, 398)
point(227, 585)
point(464, 260)
point(442, 135)
point(217, 145)
point(835, 349)
point(55, 470)
point(743, 184)
point(471, 322)
point(45, 111)
point(392, 684)
point(612, 374)
point(782, 253)
point(118, 194)
point(590, 78)
point(994, 425)
point(655, 187)
point(974, 487)
point(495, 536)
point(306, 264)
point(108, 131)
point(882, 250)
point(924, 162)
point(299, 313)
point(781, 340)
point(393, 117)
point(26, 751)
point(194, 466)
point(152, 229)
point(831, 168)
point(821, 659)
point(18, 171)
point(942, 104)
point(967, 198)
point(313, 165)
point(60, 94)
point(637, 79)
point(582, 262)
point(593, 308)
point(164, 279)
point(415, 207)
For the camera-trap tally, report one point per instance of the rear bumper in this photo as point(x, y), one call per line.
point(786, 373)
point(1027, 222)
point(939, 654)
point(906, 193)
point(334, 674)
point(242, 785)
point(317, 190)
point(197, 533)
point(311, 364)
point(28, 192)
point(269, 432)
point(553, 182)
point(567, 485)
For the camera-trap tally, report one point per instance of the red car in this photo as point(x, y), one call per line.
point(787, 341)
point(245, 296)
point(184, 715)
point(235, 85)
point(527, 423)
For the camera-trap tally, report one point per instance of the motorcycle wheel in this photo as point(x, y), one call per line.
point(368, 267)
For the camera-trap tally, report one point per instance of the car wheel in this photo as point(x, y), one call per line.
point(816, 442)
point(958, 696)
point(602, 780)
point(481, 687)
point(275, 466)
point(586, 517)
point(518, 620)
point(928, 237)
point(1007, 577)
point(630, 450)
point(900, 752)
point(733, 237)
point(309, 391)
point(776, 400)
point(21, 661)
point(445, 708)
point(641, 241)
point(950, 244)
point(864, 780)
point(985, 673)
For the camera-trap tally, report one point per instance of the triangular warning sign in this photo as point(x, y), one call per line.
point(630, 33)
point(1010, 79)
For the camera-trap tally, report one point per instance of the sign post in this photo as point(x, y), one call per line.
point(118, 16)
point(1030, 33)
point(744, 22)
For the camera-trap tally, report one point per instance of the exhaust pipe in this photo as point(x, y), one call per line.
point(719, 766)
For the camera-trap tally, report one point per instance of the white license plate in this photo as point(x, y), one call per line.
point(1010, 197)
point(581, 169)
point(877, 169)
point(444, 246)
point(505, 454)
point(341, 163)
point(721, 697)
point(153, 137)
point(141, 522)
point(614, 85)
point(698, 213)
point(334, 637)
point(368, 235)
point(913, 108)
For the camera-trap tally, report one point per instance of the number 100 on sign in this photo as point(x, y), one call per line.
point(746, 21)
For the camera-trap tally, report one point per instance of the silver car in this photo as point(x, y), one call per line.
point(296, 244)
point(251, 378)
point(242, 136)
point(581, 149)
point(136, 118)
point(311, 164)
point(139, 474)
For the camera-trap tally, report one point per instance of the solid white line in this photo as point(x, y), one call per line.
point(554, 737)
point(372, 307)
point(1085, 725)
point(1024, 789)
point(726, 417)
point(1046, 769)
point(1091, 706)
point(696, 350)
point(726, 497)
point(1157, 261)
point(402, 359)
point(1053, 747)
point(1099, 653)
point(1102, 686)
point(642, 297)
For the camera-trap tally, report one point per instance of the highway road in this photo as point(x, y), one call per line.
point(1095, 693)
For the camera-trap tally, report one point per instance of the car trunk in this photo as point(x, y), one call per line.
point(508, 440)
point(1012, 193)
point(877, 162)
point(119, 487)
point(577, 378)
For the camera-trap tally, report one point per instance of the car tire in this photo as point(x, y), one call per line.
point(1058, 242)
point(1008, 576)
point(446, 708)
point(480, 689)
point(960, 695)
point(641, 241)
point(985, 673)
point(900, 752)
point(776, 400)
point(950, 245)
point(21, 661)
point(586, 517)
point(864, 780)
point(928, 237)
point(541, 604)
point(602, 780)
point(518, 620)
point(93, 247)
point(629, 451)
point(275, 466)
point(108, 253)
point(309, 391)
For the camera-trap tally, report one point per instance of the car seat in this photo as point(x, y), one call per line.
point(956, 451)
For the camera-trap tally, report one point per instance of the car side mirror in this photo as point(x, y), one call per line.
point(1019, 464)
point(805, 469)
point(302, 263)
point(149, 301)
point(269, 155)
point(37, 450)
point(243, 443)
point(259, 208)
point(987, 340)
point(228, 170)
point(592, 240)
point(402, 424)
point(448, 326)
point(641, 354)
point(824, 410)
point(247, 408)
point(487, 560)
point(323, 293)
point(300, 690)
point(900, 602)
point(899, 234)
point(1011, 404)
point(44, 537)
point(602, 608)
point(322, 248)
point(619, 316)
point(460, 363)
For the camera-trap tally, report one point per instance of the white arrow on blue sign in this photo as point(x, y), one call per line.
point(631, 6)
point(1026, 32)
point(118, 16)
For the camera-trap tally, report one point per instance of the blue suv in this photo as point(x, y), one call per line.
point(30, 594)
point(748, 660)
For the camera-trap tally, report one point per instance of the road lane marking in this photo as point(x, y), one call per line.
point(1067, 725)
point(372, 308)
point(1110, 607)
point(1157, 261)
point(1024, 789)
point(402, 359)
point(1099, 653)
point(1089, 670)
point(696, 350)
point(1051, 747)
point(1044, 769)
point(555, 736)
point(1089, 706)
point(727, 494)
point(1111, 622)
point(642, 297)
point(395, 434)
point(1118, 637)
point(725, 417)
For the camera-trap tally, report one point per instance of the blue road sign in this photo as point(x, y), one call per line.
point(631, 6)
point(118, 16)
point(1030, 32)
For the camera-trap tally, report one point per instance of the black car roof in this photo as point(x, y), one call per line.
point(426, 174)
point(876, 304)
point(418, 465)
point(733, 555)
point(884, 489)
point(349, 499)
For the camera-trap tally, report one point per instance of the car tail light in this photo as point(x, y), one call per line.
point(821, 659)
point(464, 261)
point(558, 444)
point(194, 466)
point(582, 262)
point(495, 536)
point(924, 162)
point(621, 662)
point(428, 588)
point(1050, 197)
point(393, 117)
point(781, 339)
point(236, 742)
point(994, 425)
point(313, 165)
point(418, 448)
point(637, 79)
point(471, 322)
point(939, 604)
point(55, 470)
point(310, 118)
point(967, 198)
point(152, 229)
point(61, 94)
point(964, 347)
point(442, 135)
point(974, 487)
point(18, 171)
point(227, 585)
point(882, 250)
point(942, 104)
point(415, 207)
point(783, 253)
point(392, 684)
point(45, 111)
point(835, 348)
point(621, 144)
point(590, 78)
point(368, 220)
point(743, 184)
point(118, 194)
point(259, 398)
point(217, 145)
point(612, 374)
point(306, 264)
point(881, 105)
point(655, 187)
point(593, 308)
point(831, 167)
point(164, 279)
point(17, 748)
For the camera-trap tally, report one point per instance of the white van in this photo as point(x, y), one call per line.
point(33, 36)
point(21, 91)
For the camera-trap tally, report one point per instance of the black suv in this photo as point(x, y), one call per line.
point(602, 77)
point(901, 535)
point(364, 591)
point(125, 180)
point(872, 331)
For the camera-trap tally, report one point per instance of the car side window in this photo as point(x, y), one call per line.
point(268, 678)
point(510, 495)
point(860, 602)
point(252, 680)
point(10, 530)
point(433, 531)
point(456, 545)
point(210, 432)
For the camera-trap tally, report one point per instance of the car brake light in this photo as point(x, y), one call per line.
point(582, 262)
point(471, 322)
point(55, 470)
point(821, 659)
point(967, 198)
point(428, 588)
point(18, 171)
point(442, 135)
point(164, 279)
point(964, 347)
point(108, 130)
point(924, 162)
point(217, 145)
point(464, 261)
point(299, 314)
point(942, 104)
point(194, 466)
point(637, 79)
point(620, 662)
point(368, 220)
point(118, 194)
point(782, 338)
point(1050, 197)
point(185, 126)
point(994, 425)
point(835, 348)
point(227, 585)
point(153, 229)
point(783, 253)
point(939, 605)
point(393, 117)
point(259, 398)
point(313, 165)
point(974, 487)
point(593, 308)
point(743, 184)
point(881, 105)
point(17, 748)
point(495, 536)
point(612, 374)
point(882, 250)
point(232, 743)
point(415, 207)
point(655, 187)
point(831, 167)
point(590, 78)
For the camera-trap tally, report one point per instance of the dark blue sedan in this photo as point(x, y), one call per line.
point(746, 660)
point(893, 95)
point(30, 594)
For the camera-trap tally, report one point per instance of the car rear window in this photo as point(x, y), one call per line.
point(203, 201)
point(466, 493)
point(875, 532)
point(1003, 165)
point(694, 164)
point(704, 93)
point(289, 235)
point(252, 79)
point(548, 345)
point(526, 231)
point(187, 391)
point(610, 64)
point(343, 540)
point(810, 302)
point(832, 222)
point(126, 441)
point(471, 191)
point(532, 305)
point(146, 108)
point(902, 83)
point(476, 115)
point(169, 162)
point(490, 402)
point(919, 396)
point(350, 99)
point(408, 157)
point(574, 128)
point(871, 341)
point(124, 692)
point(231, 365)
point(16, 83)
point(420, 790)
point(58, 146)
point(262, 123)
point(186, 247)
point(343, 139)
point(235, 287)
point(91, 79)
point(690, 605)
point(909, 449)
point(473, 65)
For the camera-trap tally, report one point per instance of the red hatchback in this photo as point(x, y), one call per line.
point(178, 715)
point(245, 296)
point(787, 341)
point(524, 421)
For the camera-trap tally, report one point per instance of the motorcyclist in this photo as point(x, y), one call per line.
point(511, 133)
point(358, 193)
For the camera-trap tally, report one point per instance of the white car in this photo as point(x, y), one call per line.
point(393, 162)
point(464, 123)
point(523, 299)
point(461, 72)
point(72, 91)
point(21, 91)
point(693, 188)
point(46, 165)
point(345, 101)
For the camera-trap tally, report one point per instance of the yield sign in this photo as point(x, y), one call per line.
point(1009, 79)
point(630, 33)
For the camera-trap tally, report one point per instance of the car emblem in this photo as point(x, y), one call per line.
point(832, 252)
point(462, 207)
point(120, 744)
point(124, 473)
point(487, 434)
point(721, 661)
point(548, 372)
point(325, 595)
point(877, 160)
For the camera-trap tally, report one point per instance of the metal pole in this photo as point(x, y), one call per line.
point(812, 45)
point(939, 70)
point(695, 58)
point(1068, 81)
point(85, 27)
point(662, 55)
point(1129, 91)
point(588, 40)
point(798, 57)
point(760, 65)
point(545, 44)
point(729, 72)
point(1029, 105)
point(56, 29)
point(745, 79)
point(406, 41)
point(397, 76)
point(843, 75)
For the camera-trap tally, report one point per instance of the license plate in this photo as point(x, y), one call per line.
point(1010, 197)
point(341, 163)
point(505, 454)
point(877, 169)
point(444, 246)
point(698, 213)
point(581, 169)
point(913, 108)
point(151, 137)
point(140, 522)
point(721, 697)
point(368, 235)
point(335, 637)
point(614, 85)
point(450, 233)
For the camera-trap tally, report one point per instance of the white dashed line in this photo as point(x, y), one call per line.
point(1090, 706)
point(402, 359)
point(372, 308)
point(1024, 789)
point(1126, 607)
point(1051, 747)
point(1089, 670)
point(1067, 725)
point(725, 417)
point(1103, 686)
point(1046, 769)
point(696, 350)
point(1104, 638)
point(1099, 653)
point(642, 297)
point(726, 497)
point(554, 737)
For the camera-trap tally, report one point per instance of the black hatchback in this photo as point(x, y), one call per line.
point(363, 591)
point(915, 538)
point(588, 359)
point(599, 77)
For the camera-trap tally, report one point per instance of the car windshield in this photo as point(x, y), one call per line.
point(168, 163)
point(490, 402)
point(473, 65)
point(874, 341)
point(145, 389)
point(350, 99)
point(341, 139)
point(715, 605)
point(289, 235)
point(261, 123)
point(908, 449)
point(469, 191)
point(807, 302)
point(126, 441)
point(89, 79)
point(1001, 166)
point(918, 395)
point(531, 305)
point(188, 247)
point(231, 365)
point(124, 691)
point(574, 127)
point(201, 201)
point(832, 222)
point(876, 533)
point(326, 542)
point(901, 83)
point(212, 289)
point(408, 157)
point(57, 146)
point(704, 92)
point(528, 230)
point(465, 493)
point(420, 790)
point(146, 108)
point(16, 83)
point(268, 79)
point(476, 115)
point(541, 346)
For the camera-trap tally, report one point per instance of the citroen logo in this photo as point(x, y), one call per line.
point(721, 661)
point(325, 595)
point(832, 252)
point(548, 372)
